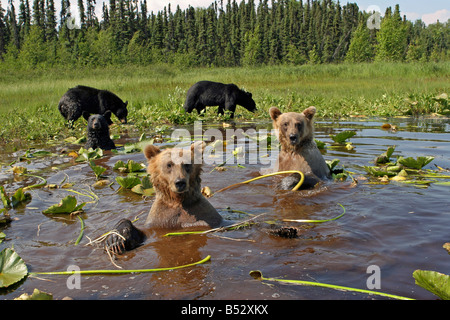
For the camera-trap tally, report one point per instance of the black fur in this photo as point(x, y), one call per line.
point(94, 101)
point(226, 96)
point(133, 237)
point(98, 131)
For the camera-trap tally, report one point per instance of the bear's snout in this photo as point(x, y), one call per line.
point(181, 185)
point(293, 138)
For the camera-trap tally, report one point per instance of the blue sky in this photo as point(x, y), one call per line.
point(429, 11)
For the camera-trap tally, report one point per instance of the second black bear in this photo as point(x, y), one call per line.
point(98, 131)
point(226, 96)
point(94, 101)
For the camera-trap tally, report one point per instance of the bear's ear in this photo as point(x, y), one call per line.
point(107, 114)
point(150, 151)
point(198, 146)
point(274, 113)
point(309, 112)
point(126, 103)
point(86, 115)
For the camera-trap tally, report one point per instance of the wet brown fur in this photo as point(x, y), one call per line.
point(298, 149)
point(174, 208)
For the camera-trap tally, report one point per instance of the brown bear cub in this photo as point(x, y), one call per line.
point(299, 151)
point(179, 202)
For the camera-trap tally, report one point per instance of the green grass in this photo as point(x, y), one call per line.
point(29, 98)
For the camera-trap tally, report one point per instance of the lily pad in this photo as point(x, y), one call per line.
point(342, 136)
point(67, 205)
point(85, 155)
point(19, 196)
point(418, 163)
point(98, 170)
point(12, 268)
point(36, 295)
point(130, 166)
point(128, 182)
point(385, 156)
point(435, 282)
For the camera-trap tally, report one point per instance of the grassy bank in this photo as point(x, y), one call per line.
point(29, 99)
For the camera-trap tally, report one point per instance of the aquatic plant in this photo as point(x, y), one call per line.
point(256, 274)
point(66, 205)
point(435, 282)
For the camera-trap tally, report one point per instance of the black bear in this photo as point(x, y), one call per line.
point(226, 96)
point(94, 101)
point(98, 131)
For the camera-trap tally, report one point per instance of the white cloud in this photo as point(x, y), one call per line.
point(441, 15)
point(411, 16)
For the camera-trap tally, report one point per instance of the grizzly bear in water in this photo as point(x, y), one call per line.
point(94, 101)
point(226, 96)
point(179, 202)
point(299, 151)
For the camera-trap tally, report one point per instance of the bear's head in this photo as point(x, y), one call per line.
point(293, 129)
point(245, 99)
point(122, 112)
point(176, 170)
point(98, 122)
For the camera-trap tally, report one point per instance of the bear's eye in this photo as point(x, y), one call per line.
point(299, 126)
point(169, 165)
point(285, 124)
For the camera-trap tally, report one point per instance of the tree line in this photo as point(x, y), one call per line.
point(227, 33)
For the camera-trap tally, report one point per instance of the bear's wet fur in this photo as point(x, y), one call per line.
point(98, 131)
point(93, 101)
point(179, 202)
point(299, 151)
point(226, 96)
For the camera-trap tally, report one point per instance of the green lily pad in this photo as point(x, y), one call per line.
point(36, 295)
point(98, 170)
point(385, 156)
point(418, 163)
point(12, 268)
point(67, 205)
point(435, 282)
point(128, 182)
point(342, 136)
point(130, 166)
point(19, 196)
point(85, 155)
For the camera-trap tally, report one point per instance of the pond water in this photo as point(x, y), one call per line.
point(396, 226)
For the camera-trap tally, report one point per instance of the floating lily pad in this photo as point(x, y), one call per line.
point(128, 182)
point(98, 170)
point(12, 268)
point(342, 136)
point(85, 155)
point(130, 166)
point(19, 196)
point(67, 205)
point(36, 295)
point(435, 282)
point(418, 163)
point(385, 156)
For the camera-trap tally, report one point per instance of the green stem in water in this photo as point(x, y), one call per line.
point(316, 221)
point(258, 275)
point(81, 232)
point(91, 272)
point(302, 178)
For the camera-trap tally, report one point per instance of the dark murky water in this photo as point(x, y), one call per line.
point(398, 227)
